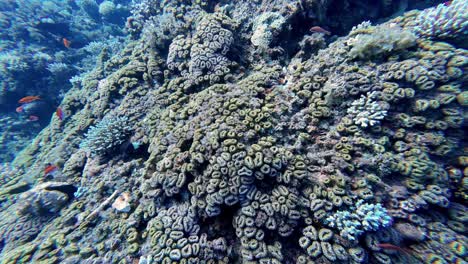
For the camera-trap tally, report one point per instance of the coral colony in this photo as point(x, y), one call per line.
point(284, 131)
point(362, 217)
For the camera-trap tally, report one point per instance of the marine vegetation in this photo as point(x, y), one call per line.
point(240, 132)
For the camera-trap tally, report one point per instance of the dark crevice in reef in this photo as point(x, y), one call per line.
point(200, 168)
point(266, 184)
point(220, 225)
point(339, 22)
point(293, 35)
point(141, 225)
point(289, 39)
point(141, 152)
point(186, 144)
point(69, 190)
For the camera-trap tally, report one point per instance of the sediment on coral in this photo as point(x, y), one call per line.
point(351, 153)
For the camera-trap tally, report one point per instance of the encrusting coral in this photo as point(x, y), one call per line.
point(229, 156)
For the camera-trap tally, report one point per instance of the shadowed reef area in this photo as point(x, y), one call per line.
point(252, 132)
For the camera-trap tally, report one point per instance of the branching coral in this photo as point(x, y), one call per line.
point(107, 134)
point(366, 111)
point(362, 217)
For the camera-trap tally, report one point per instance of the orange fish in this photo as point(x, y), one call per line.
point(49, 169)
point(33, 118)
point(59, 113)
point(318, 29)
point(19, 109)
point(66, 43)
point(29, 99)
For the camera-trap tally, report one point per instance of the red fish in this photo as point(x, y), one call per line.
point(19, 109)
point(448, 3)
point(49, 169)
point(393, 247)
point(66, 43)
point(318, 29)
point(59, 113)
point(28, 99)
point(33, 118)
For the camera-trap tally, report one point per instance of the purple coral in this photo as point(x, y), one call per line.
point(448, 20)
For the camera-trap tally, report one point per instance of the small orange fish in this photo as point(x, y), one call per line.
point(33, 118)
point(19, 109)
point(59, 113)
point(317, 29)
point(49, 169)
point(66, 43)
point(29, 99)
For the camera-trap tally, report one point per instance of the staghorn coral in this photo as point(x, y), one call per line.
point(367, 112)
point(360, 218)
point(109, 133)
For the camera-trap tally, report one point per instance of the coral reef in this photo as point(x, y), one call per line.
point(228, 140)
point(43, 46)
point(370, 42)
point(443, 21)
point(265, 27)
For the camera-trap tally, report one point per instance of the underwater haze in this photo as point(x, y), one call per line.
point(247, 131)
